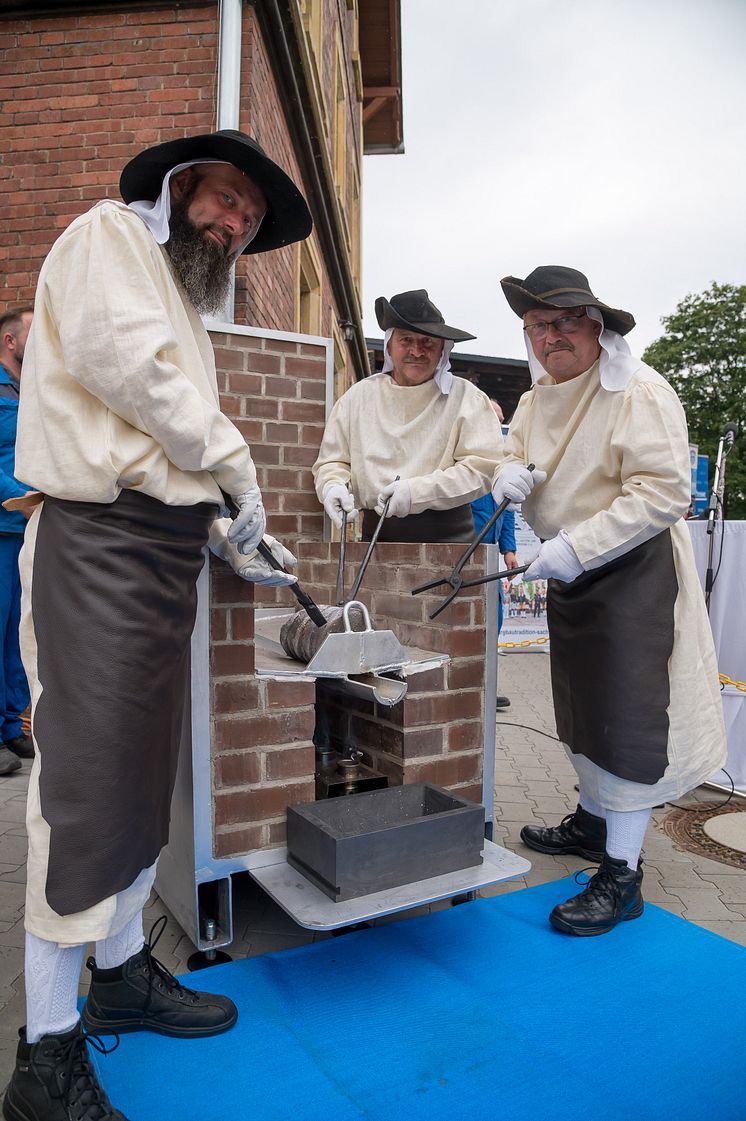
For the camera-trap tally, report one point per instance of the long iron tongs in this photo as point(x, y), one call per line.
point(455, 580)
point(371, 546)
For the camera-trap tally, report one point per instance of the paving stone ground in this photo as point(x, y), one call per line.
point(534, 782)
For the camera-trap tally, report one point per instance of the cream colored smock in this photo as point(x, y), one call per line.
point(618, 474)
point(119, 391)
point(445, 445)
point(119, 384)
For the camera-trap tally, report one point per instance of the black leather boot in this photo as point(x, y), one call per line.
point(143, 994)
point(22, 746)
point(9, 761)
point(580, 832)
point(54, 1080)
point(611, 896)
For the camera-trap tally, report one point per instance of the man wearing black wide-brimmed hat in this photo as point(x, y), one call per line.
point(634, 675)
point(415, 420)
point(120, 430)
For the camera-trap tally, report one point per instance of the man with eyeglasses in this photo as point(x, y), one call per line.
point(634, 675)
point(413, 435)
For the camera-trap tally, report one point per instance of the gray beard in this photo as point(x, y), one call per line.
point(202, 266)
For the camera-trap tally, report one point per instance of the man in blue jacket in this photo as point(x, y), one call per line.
point(14, 692)
point(502, 534)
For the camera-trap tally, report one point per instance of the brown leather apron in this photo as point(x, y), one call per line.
point(431, 525)
point(113, 602)
point(612, 634)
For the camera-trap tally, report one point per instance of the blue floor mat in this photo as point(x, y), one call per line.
point(478, 1011)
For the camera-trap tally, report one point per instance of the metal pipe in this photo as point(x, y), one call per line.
point(229, 98)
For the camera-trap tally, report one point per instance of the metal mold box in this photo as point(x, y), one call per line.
point(364, 843)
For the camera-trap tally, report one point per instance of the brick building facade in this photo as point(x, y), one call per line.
point(84, 86)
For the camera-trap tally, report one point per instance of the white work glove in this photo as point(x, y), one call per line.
point(256, 568)
point(516, 483)
point(337, 502)
point(556, 560)
point(249, 523)
point(401, 499)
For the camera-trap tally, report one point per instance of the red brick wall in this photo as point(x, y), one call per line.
point(263, 757)
point(80, 96)
point(263, 731)
point(273, 390)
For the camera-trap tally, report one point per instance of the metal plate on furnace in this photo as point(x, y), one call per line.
point(311, 909)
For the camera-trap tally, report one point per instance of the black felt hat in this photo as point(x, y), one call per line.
point(413, 311)
point(553, 286)
point(287, 219)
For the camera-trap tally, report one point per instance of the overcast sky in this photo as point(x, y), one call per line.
point(608, 135)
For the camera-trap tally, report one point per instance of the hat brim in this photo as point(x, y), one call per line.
point(388, 318)
point(521, 301)
point(288, 218)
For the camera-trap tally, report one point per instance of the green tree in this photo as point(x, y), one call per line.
point(703, 355)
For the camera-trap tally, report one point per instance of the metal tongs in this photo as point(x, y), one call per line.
point(455, 581)
point(341, 598)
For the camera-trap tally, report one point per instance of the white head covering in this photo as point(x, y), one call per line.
point(616, 365)
point(442, 377)
point(156, 215)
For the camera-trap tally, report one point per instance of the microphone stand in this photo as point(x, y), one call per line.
point(716, 501)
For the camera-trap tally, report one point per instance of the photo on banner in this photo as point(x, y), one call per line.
point(524, 601)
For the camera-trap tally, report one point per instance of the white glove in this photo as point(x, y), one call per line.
point(250, 521)
point(256, 568)
point(556, 560)
point(337, 502)
point(516, 483)
point(401, 499)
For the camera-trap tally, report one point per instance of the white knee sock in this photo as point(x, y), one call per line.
point(116, 949)
point(52, 980)
point(625, 831)
point(589, 805)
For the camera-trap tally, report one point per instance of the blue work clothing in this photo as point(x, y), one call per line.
point(14, 692)
point(502, 534)
point(10, 521)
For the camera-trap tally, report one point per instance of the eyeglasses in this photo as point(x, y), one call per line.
point(564, 325)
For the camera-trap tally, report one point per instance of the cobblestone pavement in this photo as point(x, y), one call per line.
point(534, 782)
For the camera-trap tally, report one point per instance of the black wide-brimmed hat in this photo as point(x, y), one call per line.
point(413, 311)
point(553, 286)
point(287, 219)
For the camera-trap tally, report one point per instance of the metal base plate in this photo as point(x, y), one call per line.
point(313, 910)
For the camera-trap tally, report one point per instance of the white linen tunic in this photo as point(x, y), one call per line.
point(119, 376)
point(445, 445)
point(119, 393)
point(618, 475)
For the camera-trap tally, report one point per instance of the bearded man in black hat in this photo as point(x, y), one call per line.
point(413, 435)
point(634, 675)
point(120, 431)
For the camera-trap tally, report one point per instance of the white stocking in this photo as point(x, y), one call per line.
point(52, 980)
point(589, 805)
point(116, 949)
point(625, 831)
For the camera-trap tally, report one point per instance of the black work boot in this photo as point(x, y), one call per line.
point(54, 1080)
point(611, 896)
point(143, 994)
point(22, 746)
point(9, 762)
point(580, 832)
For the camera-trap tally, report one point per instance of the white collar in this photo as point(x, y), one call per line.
point(617, 364)
point(156, 215)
